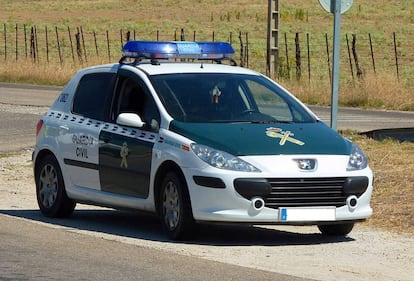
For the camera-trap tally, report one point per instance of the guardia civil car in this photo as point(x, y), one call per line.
point(172, 130)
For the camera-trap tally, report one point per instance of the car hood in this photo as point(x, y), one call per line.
point(242, 139)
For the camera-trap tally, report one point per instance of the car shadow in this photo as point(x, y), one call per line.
point(148, 227)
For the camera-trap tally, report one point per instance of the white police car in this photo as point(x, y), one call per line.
point(195, 141)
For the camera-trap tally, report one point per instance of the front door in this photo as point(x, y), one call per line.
point(125, 160)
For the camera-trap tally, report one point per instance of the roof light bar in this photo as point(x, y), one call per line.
point(177, 49)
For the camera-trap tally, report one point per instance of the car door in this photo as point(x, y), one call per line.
point(125, 153)
point(79, 130)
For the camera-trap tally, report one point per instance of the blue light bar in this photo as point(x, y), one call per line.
point(177, 49)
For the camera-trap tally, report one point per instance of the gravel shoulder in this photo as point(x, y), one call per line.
point(299, 251)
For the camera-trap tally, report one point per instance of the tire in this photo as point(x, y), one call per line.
point(175, 208)
point(50, 189)
point(336, 229)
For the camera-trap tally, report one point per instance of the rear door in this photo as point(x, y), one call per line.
point(125, 153)
point(79, 131)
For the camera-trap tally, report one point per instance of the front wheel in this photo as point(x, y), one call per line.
point(336, 229)
point(50, 189)
point(175, 208)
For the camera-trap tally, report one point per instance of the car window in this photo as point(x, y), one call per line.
point(133, 97)
point(93, 95)
point(197, 97)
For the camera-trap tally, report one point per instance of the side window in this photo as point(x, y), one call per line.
point(133, 97)
point(264, 96)
point(93, 95)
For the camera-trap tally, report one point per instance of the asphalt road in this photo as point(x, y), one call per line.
point(36, 252)
point(22, 105)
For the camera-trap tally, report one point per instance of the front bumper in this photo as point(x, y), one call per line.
point(223, 196)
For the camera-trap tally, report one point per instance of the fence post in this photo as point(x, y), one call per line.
point(287, 56)
point(5, 41)
point(36, 44)
point(83, 44)
point(17, 42)
point(96, 44)
point(107, 43)
point(47, 45)
point(349, 57)
point(329, 60)
point(25, 40)
point(396, 56)
point(32, 44)
point(309, 63)
point(354, 52)
point(71, 45)
point(247, 50)
point(241, 50)
point(372, 53)
point(298, 59)
point(78, 46)
point(58, 45)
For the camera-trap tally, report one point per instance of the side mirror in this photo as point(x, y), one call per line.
point(130, 120)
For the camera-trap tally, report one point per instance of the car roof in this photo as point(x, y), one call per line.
point(192, 67)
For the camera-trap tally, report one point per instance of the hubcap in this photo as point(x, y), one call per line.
point(171, 206)
point(48, 186)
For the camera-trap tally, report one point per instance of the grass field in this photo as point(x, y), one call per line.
point(391, 161)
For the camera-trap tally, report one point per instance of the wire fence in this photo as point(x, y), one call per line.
point(301, 56)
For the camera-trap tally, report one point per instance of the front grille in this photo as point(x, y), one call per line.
point(306, 192)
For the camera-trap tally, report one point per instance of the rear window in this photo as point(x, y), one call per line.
point(93, 95)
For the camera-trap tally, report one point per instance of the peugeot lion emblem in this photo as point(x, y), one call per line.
point(306, 164)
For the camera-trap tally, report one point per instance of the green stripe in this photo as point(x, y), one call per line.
point(251, 139)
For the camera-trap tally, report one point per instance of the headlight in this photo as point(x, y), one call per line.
point(222, 160)
point(357, 159)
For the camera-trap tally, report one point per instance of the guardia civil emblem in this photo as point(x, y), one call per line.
point(284, 136)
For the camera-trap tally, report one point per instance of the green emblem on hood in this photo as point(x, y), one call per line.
point(283, 135)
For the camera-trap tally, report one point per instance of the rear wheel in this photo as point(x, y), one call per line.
point(175, 208)
point(50, 189)
point(336, 229)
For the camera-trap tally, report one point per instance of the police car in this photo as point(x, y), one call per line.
point(172, 130)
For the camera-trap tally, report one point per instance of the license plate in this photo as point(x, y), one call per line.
point(307, 214)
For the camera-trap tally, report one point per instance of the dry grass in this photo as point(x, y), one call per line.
point(381, 91)
point(393, 196)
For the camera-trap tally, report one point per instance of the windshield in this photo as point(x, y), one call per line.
point(212, 97)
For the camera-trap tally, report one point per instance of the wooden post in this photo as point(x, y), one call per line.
point(241, 50)
point(71, 44)
point(396, 56)
point(47, 45)
point(349, 57)
point(25, 40)
point(287, 57)
point(78, 46)
point(58, 45)
point(329, 60)
point(354, 52)
point(309, 62)
point(5, 41)
point(83, 44)
point(107, 43)
point(96, 44)
point(298, 59)
point(17, 44)
point(372, 53)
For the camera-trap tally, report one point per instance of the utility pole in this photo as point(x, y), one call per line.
point(272, 63)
